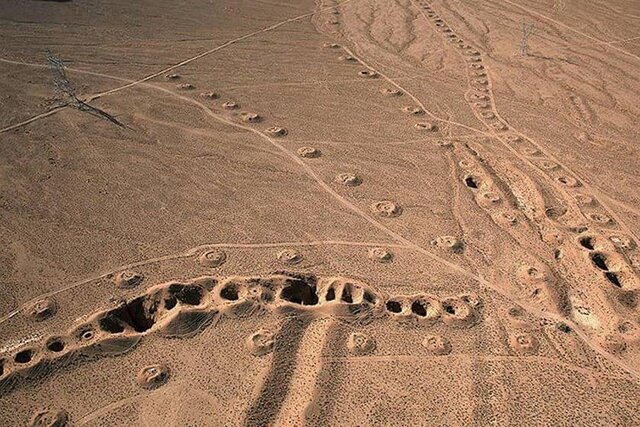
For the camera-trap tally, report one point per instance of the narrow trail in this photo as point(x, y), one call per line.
point(622, 41)
point(307, 83)
point(33, 119)
point(104, 410)
point(277, 386)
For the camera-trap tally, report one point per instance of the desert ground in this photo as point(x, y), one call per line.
point(345, 213)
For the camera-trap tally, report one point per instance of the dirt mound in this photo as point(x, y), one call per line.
point(450, 243)
point(290, 256)
point(458, 313)
point(391, 92)
point(416, 111)
point(309, 152)
point(380, 255)
point(49, 418)
point(212, 258)
point(348, 58)
point(360, 344)
point(426, 126)
point(153, 376)
point(386, 209)
point(228, 105)
point(437, 345)
point(348, 179)
point(600, 218)
point(488, 199)
point(568, 181)
point(250, 117)
point(260, 343)
point(276, 131)
point(128, 279)
point(209, 95)
point(547, 165)
point(368, 74)
point(42, 309)
point(524, 343)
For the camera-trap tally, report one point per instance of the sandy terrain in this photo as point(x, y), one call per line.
point(357, 212)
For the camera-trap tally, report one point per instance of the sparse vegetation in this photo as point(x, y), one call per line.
point(65, 92)
point(528, 29)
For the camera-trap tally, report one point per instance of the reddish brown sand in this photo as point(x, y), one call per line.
point(350, 213)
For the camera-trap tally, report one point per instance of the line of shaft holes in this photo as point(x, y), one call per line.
point(599, 260)
point(418, 307)
point(55, 345)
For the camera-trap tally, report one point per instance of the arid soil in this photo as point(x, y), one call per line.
point(349, 213)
